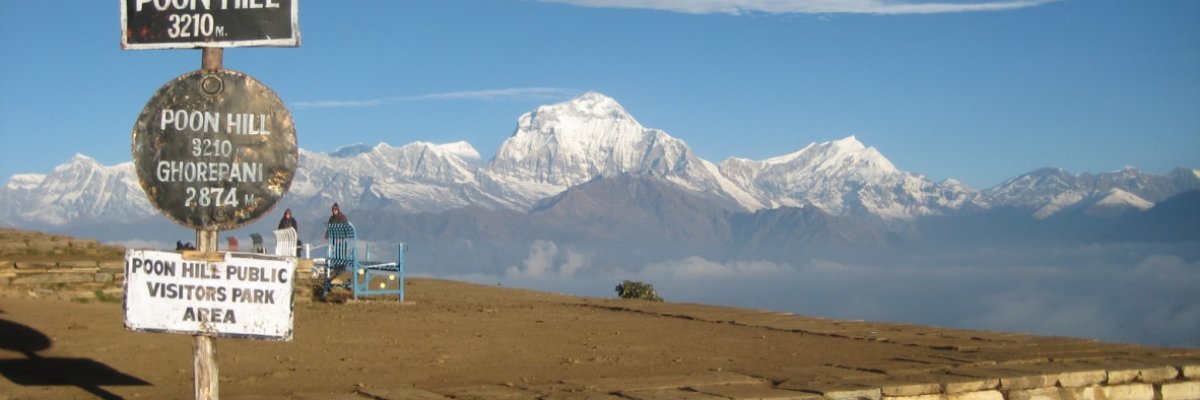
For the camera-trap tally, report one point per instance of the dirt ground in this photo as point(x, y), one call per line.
point(462, 340)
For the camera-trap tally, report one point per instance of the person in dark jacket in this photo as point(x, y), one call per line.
point(336, 218)
point(288, 221)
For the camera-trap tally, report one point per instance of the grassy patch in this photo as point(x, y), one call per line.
point(105, 297)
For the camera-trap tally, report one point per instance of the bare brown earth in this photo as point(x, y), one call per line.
point(471, 341)
point(467, 341)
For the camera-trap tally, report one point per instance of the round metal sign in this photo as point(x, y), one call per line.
point(215, 149)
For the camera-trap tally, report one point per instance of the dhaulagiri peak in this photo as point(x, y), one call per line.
point(583, 128)
point(590, 109)
point(589, 104)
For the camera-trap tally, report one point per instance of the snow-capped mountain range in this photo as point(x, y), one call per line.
point(560, 146)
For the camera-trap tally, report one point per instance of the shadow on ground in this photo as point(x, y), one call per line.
point(35, 370)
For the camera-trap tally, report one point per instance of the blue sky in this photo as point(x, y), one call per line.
point(979, 91)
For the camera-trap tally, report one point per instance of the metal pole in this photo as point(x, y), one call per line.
point(211, 59)
point(204, 354)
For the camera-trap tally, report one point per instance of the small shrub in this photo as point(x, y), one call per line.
point(107, 298)
point(638, 290)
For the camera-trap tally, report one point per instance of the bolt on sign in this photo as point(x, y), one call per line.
point(176, 24)
point(214, 149)
point(241, 295)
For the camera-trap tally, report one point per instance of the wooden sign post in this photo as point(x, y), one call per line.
point(214, 149)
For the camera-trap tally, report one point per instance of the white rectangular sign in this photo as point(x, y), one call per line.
point(243, 295)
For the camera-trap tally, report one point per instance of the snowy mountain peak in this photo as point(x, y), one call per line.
point(25, 181)
point(588, 105)
point(1118, 197)
point(574, 141)
point(462, 149)
point(588, 117)
point(847, 154)
point(845, 145)
point(955, 183)
point(849, 143)
point(351, 150)
point(1115, 202)
point(79, 161)
point(843, 176)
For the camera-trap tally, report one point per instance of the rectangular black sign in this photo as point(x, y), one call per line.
point(183, 24)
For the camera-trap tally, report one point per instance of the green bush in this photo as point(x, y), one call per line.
point(638, 290)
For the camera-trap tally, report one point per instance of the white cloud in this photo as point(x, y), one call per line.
point(546, 259)
point(740, 7)
point(1170, 266)
point(519, 94)
point(1047, 312)
point(338, 103)
point(693, 267)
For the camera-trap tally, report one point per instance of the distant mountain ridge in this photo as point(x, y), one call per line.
point(575, 160)
point(81, 190)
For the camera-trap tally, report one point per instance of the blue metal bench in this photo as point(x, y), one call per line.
point(366, 278)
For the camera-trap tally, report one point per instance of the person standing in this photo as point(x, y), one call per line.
point(336, 218)
point(290, 222)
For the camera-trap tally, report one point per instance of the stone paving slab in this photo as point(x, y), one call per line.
point(1191, 371)
point(1189, 390)
point(835, 390)
point(894, 387)
point(755, 392)
point(979, 395)
point(1012, 377)
point(1122, 371)
point(956, 384)
point(1180, 363)
point(1118, 392)
point(1044, 393)
point(919, 397)
point(1081, 375)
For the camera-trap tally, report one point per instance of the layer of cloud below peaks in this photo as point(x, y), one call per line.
point(739, 7)
point(698, 267)
point(1119, 293)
